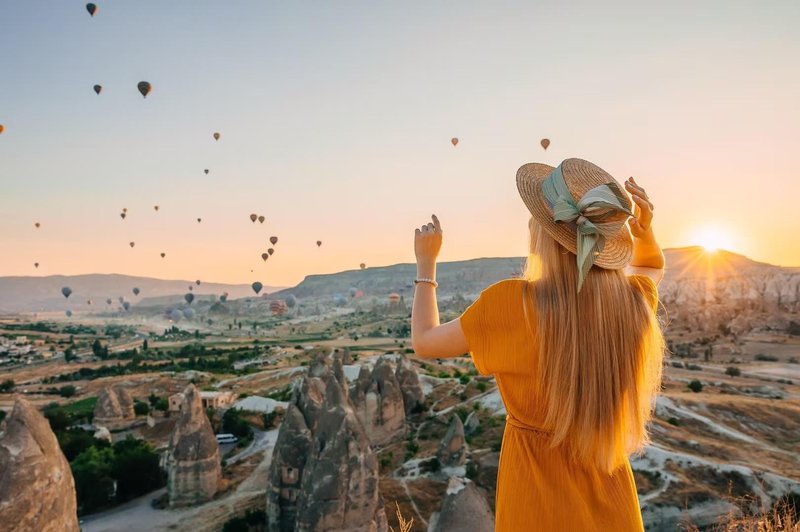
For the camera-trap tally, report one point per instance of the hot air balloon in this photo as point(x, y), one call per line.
point(339, 300)
point(2, 128)
point(91, 8)
point(98, 89)
point(257, 287)
point(136, 291)
point(108, 301)
point(189, 313)
point(270, 251)
point(363, 266)
point(199, 220)
point(191, 288)
point(206, 171)
point(37, 225)
point(224, 297)
point(126, 305)
point(66, 291)
point(133, 244)
point(175, 315)
point(278, 307)
point(88, 301)
point(36, 264)
point(189, 297)
point(163, 255)
point(197, 282)
point(273, 240)
point(353, 291)
point(454, 141)
point(264, 256)
point(253, 218)
point(145, 88)
point(124, 209)
point(319, 243)
point(261, 219)
point(545, 143)
point(155, 207)
point(394, 297)
point(291, 301)
point(121, 299)
point(122, 215)
point(216, 136)
point(69, 313)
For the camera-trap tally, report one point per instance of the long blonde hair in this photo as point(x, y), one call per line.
point(599, 354)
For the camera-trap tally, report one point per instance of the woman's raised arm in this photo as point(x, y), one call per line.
point(648, 259)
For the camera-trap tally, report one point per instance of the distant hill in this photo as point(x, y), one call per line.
point(38, 294)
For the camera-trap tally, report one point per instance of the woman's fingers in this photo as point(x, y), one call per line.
point(436, 224)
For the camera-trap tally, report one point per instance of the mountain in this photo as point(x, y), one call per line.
point(37, 294)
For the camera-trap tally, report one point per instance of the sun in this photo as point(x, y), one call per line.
point(712, 239)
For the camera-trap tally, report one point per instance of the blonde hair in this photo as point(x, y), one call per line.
point(599, 354)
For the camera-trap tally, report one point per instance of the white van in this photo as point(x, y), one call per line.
point(226, 438)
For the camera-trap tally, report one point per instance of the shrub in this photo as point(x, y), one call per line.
point(472, 470)
point(765, 358)
point(481, 386)
point(140, 408)
point(673, 421)
point(696, 386)
point(162, 404)
point(733, 371)
point(67, 391)
point(464, 379)
point(434, 464)
point(6, 386)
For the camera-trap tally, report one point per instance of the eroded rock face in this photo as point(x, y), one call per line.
point(37, 491)
point(379, 404)
point(114, 408)
point(452, 451)
point(324, 474)
point(464, 508)
point(408, 379)
point(193, 462)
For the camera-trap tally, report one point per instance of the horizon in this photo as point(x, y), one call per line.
point(710, 253)
point(336, 123)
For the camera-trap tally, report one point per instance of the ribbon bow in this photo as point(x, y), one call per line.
point(595, 216)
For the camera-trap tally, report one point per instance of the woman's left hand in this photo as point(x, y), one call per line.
point(428, 241)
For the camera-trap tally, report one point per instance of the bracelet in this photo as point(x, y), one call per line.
point(429, 281)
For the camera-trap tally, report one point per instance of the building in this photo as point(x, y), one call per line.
point(215, 400)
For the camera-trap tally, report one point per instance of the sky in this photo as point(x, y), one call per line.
point(336, 120)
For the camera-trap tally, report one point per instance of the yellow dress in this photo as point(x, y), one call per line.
point(539, 488)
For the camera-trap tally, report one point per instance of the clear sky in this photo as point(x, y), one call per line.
point(336, 119)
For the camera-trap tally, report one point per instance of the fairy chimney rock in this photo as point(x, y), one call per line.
point(464, 508)
point(408, 379)
point(37, 491)
point(324, 474)
point(193, 462)
point(114, 408)
point(452, 451)
point(379, 404)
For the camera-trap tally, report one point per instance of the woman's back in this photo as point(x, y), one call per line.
point(536, 480)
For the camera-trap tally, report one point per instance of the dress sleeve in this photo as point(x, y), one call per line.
point(483, 321)
point(648, 288)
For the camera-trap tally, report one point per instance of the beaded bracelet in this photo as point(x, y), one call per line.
point(429, 281)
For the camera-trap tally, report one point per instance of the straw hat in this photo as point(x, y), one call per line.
point(580, 177)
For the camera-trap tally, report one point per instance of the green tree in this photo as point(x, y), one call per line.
point(67, 391)
point(135, 468)
point(94, 484)
point(162, 404)
point(75, 441)
point(140, 408)
point(145, 345)
point(696, 386)
point(69, 355)
point(98, 350)
point(733, 371)
point(7, 386)
point(233, 423)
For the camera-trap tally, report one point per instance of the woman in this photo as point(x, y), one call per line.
point(575, 348)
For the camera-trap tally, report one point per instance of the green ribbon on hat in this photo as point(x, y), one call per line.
point(594, 215)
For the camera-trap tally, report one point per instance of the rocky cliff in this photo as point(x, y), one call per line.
point(379, 403)
point(114, 408)
point(463, 508)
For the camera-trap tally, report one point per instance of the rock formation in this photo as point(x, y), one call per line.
point(452, 451)
point(472, 423)
point(324, 474)
point(379, 404)
point(37, 491)
point(193, 462)
point(464, 508)
point(114, 408)
point(408, 379)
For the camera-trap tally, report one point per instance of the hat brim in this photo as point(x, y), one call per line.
point(617, 251)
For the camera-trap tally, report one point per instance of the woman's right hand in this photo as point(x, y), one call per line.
point(642, 210)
